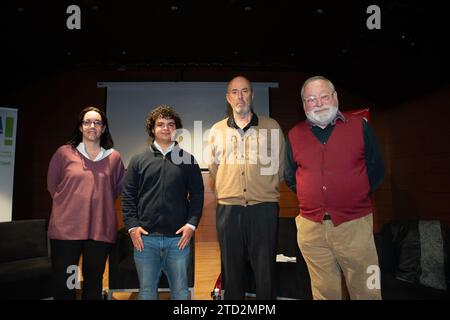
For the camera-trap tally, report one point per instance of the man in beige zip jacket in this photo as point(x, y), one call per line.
point(247, 153)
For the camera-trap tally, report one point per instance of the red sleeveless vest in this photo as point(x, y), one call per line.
point(331, 177)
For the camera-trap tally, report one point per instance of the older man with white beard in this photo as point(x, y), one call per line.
point(333, 163)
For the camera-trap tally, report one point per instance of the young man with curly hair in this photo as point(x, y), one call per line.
point(162, 204)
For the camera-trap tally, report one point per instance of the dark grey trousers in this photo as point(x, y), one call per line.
point(248, 235)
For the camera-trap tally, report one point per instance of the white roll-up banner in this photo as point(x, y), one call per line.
point(8, 130)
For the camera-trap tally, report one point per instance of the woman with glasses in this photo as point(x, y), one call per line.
point(84, 179)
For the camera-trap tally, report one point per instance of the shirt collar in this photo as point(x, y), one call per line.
point(101, 155)
point(161, 150)
point(339, 116)
point(254, 121)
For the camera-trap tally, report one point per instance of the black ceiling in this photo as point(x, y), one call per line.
point(407, 57)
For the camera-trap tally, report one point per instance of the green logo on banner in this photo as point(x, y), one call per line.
point(9, 126)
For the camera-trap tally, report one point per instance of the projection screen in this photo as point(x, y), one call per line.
point(199, 104)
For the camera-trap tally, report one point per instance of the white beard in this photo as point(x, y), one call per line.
point(324, 118)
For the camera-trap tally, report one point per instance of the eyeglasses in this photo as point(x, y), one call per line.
point(88, 123)
point(312, 100)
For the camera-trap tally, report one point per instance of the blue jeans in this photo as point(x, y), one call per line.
point(161, 254)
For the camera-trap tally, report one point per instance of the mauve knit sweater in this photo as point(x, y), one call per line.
point(84, 193)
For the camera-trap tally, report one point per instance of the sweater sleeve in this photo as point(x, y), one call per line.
point(55, 172)
point(118, 173)
point(212, 161)
point(290, 168)
point(130, 195)
point(374, 159)
point(282, 154)
point(196, 194)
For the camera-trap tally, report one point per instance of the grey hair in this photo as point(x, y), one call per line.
point(315, 78)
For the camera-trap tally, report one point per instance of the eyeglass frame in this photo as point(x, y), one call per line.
point(313, 102)
point(88, 123)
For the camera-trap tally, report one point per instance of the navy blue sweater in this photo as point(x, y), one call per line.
point(161, 194)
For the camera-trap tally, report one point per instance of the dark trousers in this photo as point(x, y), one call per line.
point(248, 234)
point(67, 253)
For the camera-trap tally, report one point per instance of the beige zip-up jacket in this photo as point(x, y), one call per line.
point(248, 168)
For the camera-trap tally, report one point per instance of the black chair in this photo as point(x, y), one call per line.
point(414, 260)
point(292, 278)
point(25, 264)
point(122, 269)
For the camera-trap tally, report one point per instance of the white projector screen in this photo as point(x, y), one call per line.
point(199, 104)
